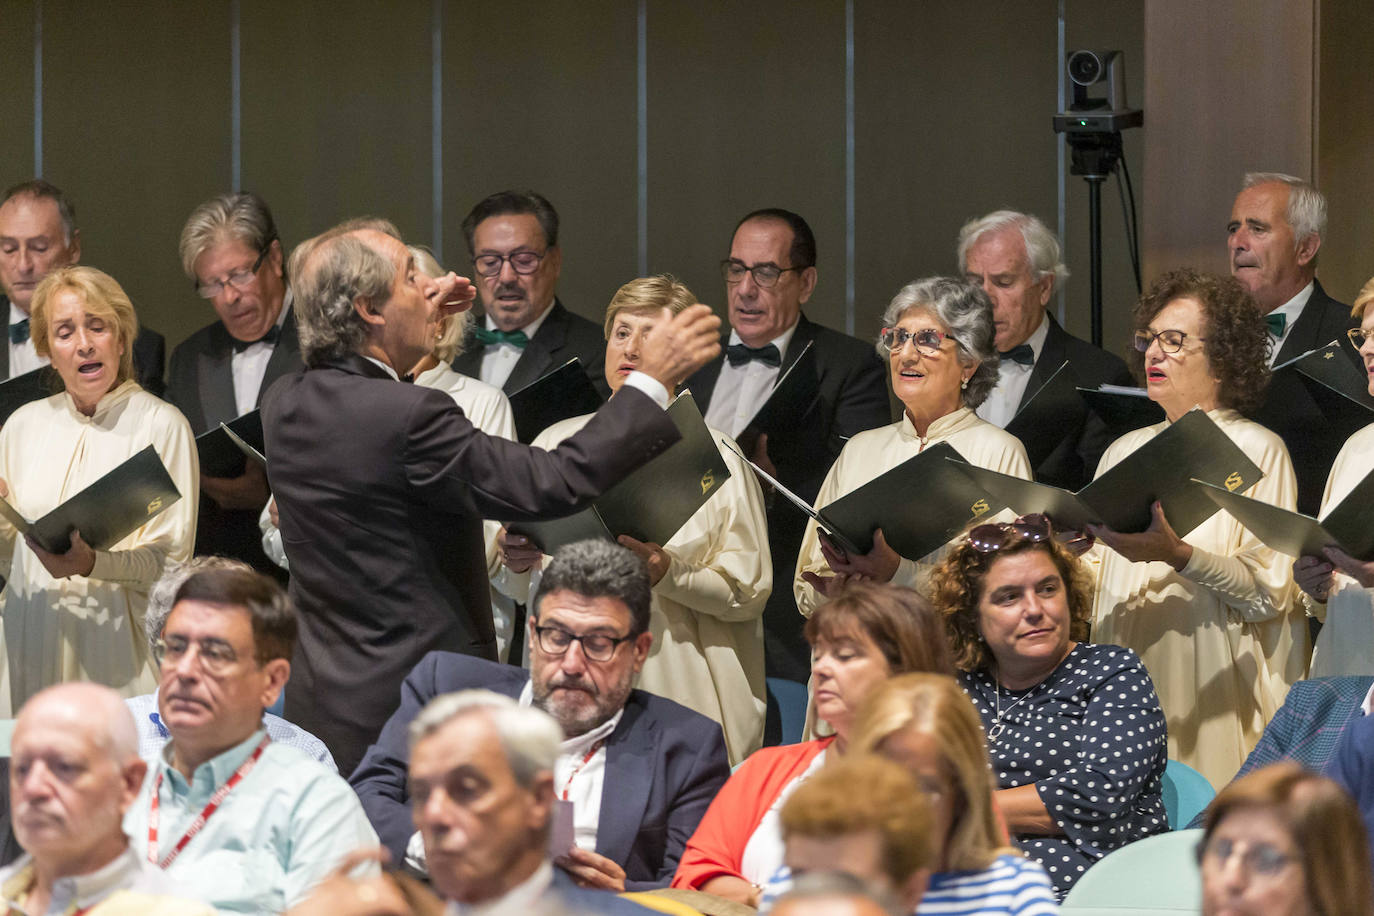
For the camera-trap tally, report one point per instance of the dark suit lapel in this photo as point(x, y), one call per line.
point(286, 355)
point(625, 789)
point(537, 358)
point(1052, 356)
point(5, 350)
point(803, 335)
point(1306, 333)
point(215, 380)
point(703, 381)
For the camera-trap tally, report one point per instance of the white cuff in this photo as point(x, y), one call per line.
point(650, 386)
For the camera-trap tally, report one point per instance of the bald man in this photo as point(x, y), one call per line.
point(74, 771)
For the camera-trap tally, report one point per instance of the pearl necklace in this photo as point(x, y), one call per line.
point(997, 726)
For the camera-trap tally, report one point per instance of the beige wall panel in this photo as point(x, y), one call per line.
point(16, 101)
point(136, 131)
point(1228, 89)
point(746, 110)
point(543, 95)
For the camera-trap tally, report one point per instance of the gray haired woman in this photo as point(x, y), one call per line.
point(938, 339)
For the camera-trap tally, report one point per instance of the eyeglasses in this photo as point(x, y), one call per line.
point(927, 340)
point(522, 262)
point(1170, 341)
point(993, 537)
point(1359, 336)
point(765, 275)
point(239, 279)
point(596, 646)
point(1257, 858)
point(216, 656)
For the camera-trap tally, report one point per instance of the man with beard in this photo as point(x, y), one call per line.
point(660, 763)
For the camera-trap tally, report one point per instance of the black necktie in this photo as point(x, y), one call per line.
point(19, 331)
point(1021, 353)
point(739, 354)
point(240, 345)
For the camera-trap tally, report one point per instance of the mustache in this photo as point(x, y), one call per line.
point(566, 682)
point(38, 814)
point(503, 289)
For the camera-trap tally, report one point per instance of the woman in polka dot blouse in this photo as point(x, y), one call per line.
point(1075, 732)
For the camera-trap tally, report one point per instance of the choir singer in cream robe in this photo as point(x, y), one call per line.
point(711, 580)
point(1338, 588)
point(79, 615)
point(1213, 615)
point(938, 339)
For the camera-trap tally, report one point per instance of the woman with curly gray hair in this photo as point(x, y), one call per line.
point(938, 340)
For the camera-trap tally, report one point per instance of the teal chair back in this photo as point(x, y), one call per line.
point(1186, 793)
point(1156, 875)
point(788, 702)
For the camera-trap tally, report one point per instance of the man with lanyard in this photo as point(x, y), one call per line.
point(250, 825)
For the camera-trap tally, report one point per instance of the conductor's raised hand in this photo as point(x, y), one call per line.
point(681, 344)
point(451, 294)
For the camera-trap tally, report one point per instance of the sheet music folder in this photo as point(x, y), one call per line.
point(1039, 425)
point(1346, 526)
point(565, 392)
point(921, 505)
point(1123, 409)
point(23, 389)
point(653, 502)
point(1338, 386)
point(107, 510)
point(220, 455)
point(1161, 469)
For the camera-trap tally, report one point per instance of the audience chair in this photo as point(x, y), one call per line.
point(1156, 875)
point(1187, 793)
point(786, 711)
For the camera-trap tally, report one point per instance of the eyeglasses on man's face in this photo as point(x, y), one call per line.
point(522, 262)
point(927, 340)
point(216, 656)
point(765, 275)
point(240, 279)
point(596, 646)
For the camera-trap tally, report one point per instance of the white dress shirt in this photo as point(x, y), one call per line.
point(1012, 379)
point(518, 901)
point(498, 360)
point(249, 365)
point(23, 357)
point(741, 390)
point(1292, 309)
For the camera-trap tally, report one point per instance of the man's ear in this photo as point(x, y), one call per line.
point(808, 284)
point(368, 312)
point(541, 811)
point(278, 672)
point(1307, 248)
point(74, 249)
point(641, 646)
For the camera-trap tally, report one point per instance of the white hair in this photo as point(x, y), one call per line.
point(1306, 211)
point(530, 738)
point(1042, 247)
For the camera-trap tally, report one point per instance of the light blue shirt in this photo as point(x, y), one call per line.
point(152, 734)
point(282, 830)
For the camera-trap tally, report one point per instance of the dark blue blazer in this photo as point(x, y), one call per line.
point(664, 764)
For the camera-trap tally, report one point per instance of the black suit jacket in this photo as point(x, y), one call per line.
point(150, 355)
point(852, 397)
point(1085, 436)
point(201, 385)
point(381, 489)
point(1288, 407)
point(562, 336)
point(664, 764)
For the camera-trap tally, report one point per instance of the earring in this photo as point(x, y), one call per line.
point(963, 384)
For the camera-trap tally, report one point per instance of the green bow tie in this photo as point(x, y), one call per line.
point(517, 339)
point(1277, 322)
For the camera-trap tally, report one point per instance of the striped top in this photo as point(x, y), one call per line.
point(1011, 884)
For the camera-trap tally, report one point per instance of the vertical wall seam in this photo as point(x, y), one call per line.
point(642, 133)
point(38, 88)
point(235, 99)
point(849, 164)
point(436, 116)
point(1060, 146)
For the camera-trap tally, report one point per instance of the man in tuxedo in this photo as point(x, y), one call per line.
point(641, 770)
point(231, 251)
point(524, 332)
point(1014, 257)
point(1273, 236)
point(381, 487)
point(38, 235)
point(769, 274)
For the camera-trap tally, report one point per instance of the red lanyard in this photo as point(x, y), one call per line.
point(586, 759)
point(199, 823)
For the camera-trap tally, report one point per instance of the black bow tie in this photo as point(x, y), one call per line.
point(1021, 353)
point(19, 331)
point(269, 338)
point(739, 354)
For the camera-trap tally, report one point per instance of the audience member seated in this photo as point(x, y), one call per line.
point(1212, 615)
point(1074, 730)
point(938, 339)
point(52, 449)
point(1284, 841)
point(1353, 766)
point(639, 770)
point(74, 772)
point(926, 723)
point(712, 579)
point(1338, 588)
point(864, 816)
point(483, 773)
point(275, 822)
point(859, 639)
point(152, 733)
point(835, 893)
point(1310, 724)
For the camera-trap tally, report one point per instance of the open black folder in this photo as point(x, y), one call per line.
point(220, 455)
point(1162, 469)
point(1040, 424)
point(23, 389)
point(106, 511)
point(653, 502)
point(921, 505)
point(565, 392)
point(788, 403)
point(1123, 409)
point(1346, 526)
point(1339, 387)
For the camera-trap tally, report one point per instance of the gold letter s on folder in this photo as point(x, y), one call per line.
point(979, 507)
point(708, 480)
point(155, 505)
point(1233, 481)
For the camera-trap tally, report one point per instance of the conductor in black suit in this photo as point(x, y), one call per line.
point(1015, 258)
point(38, 235)
point(381, 487)
point(524, 332)
point(769, 274)
point(1273, 236)
point(231, 251)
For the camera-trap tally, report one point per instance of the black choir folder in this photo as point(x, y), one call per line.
point(220, 455)
point(1338, 386)
point(105, 512)
point(1346, 526)
point(22, 389)
point(1040, 424)
point(921, 505)
point(1162, 469)
point(653, 502)
point(565, 392)
point(1123, 409)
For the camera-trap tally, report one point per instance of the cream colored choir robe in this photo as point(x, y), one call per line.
point(707, 612)
point(1345, 645)
point(1222, 640)
point(89, 628)
point(876, 451)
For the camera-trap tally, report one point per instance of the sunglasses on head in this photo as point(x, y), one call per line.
point(996, 536)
